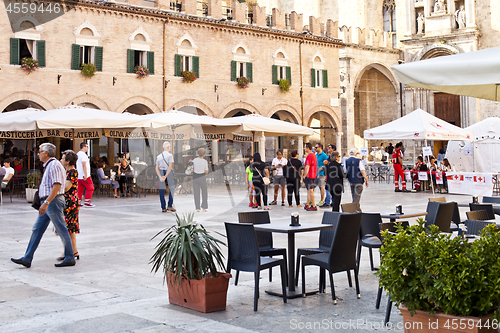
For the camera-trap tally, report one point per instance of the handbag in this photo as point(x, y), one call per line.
point(265, 180)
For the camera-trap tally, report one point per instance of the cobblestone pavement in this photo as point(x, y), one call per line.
point(112, 289)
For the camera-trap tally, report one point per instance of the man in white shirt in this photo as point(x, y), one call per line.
point(9, 172)
point(84, 179)
point(279, 179)
point(165, 172)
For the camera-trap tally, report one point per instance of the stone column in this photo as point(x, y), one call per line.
point(262, 146)
point(338, 142)
point(410, 18)
point(111, 151)
point(300, 146)
point(215, 152)
point(470, 14)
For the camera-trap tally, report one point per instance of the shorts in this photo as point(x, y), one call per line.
point(251, 189)
point(279, 180)
point(310, 183)
point(321, 181)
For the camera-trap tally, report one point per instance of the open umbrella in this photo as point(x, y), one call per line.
point(254, 123)
point(475, 74)
point(19, 120)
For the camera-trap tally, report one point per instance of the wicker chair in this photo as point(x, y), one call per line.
point(369, 235)
point(342, 256)
point(474, 227)
point(439, 199)
point(244, 255)
point(325, 242)
point(351, 207)
point(440, 214)
point(478, 215)
point(493, 200)
point(487, 207)
point(264, 238)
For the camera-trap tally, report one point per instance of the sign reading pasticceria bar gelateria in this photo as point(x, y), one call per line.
point(54, 133)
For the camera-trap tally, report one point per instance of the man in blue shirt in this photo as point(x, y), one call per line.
point(321, 157)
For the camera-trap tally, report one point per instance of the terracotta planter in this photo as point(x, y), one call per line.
point(205, 295)
point(441, 322)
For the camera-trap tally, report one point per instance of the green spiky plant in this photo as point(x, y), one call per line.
point(187, 251)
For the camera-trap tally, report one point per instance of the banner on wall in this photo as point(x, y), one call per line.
point(51, 133)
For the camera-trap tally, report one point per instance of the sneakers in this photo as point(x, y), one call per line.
point(164, 210)
point(398, 190)
point(306, 206)
point(171, 209)
point(321, 203)
point(312, 208)
point(324, 206)
point(250, 205)
point(273, 203)
point(283, 203)
point(89, 205)
point(255, 206)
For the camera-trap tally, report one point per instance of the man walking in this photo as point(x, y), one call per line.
point(311, 173)
point(51, 194)
point(279, 179)
point(397, 163)
point(321, 157)
point(165, 172)
point(356, 175)
point(84, 179)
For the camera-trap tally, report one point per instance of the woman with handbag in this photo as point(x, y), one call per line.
point(260, 180)
point(293, 178)
point(335, 180)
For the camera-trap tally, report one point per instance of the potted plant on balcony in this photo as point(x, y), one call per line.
point(243, 82)
point(29, 65)
point(141, 71)
point(443, 283)
point(32, 182)
point(88, 70)
point(188, 257)
point(188, 76)
point(284, 85)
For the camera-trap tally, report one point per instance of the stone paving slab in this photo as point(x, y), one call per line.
point(112, 289)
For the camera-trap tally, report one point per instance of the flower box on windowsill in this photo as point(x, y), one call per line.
point(188, 76)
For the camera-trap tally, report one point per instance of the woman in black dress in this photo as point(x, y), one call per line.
point(124, 171)
point(293, 175)
point(335, 180)
point(259, 171)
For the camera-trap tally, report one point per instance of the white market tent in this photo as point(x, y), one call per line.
point(481, 155)
point(418, 125)
point(475, 74)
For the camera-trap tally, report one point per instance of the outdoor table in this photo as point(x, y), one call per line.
point(285, 228)
point(393, 216)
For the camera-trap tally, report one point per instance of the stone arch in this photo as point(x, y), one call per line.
point(194, 103)
point(285, 107)
point(17, 25)
point(243, 46)
point(26, 96)
point(187, 37)
point(138, 100)
point(90, 99)
point(385, 70)
point(88, 25)
point(329, 124)
point(280, 50)
point(437, 50)
point(330, 114)
point(238, 105)
point(141, 31)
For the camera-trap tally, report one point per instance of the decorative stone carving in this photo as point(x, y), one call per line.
point(439, 7)
point(460, 17)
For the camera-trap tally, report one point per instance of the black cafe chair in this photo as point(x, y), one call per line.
point(244, 255)
point(478, 215)
point(440, 214)
point(487, 207)
point(342, 256)
point(495, 201)
point(369, 235)
point(264, 239)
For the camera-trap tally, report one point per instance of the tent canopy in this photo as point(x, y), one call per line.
point(418, 125)
point(475, 74)
point(480, 155)
point(255, 124)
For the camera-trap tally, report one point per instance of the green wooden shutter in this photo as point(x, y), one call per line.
point(130, 60)
point(250, 71)
point(233, 70)
point(313, 77)
point(75, 56)
point(275, 74)
point(289, 74)
point(14, 51)
point(151, 62)
point(98, 58)
point(325, 78)
point(178, 69)
point(196, 66)
point(40, 52)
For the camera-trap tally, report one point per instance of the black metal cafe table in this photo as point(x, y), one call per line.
point(286, 228)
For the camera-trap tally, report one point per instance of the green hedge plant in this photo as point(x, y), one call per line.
point(424, 269)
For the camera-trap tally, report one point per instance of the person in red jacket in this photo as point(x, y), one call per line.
point(397, 163)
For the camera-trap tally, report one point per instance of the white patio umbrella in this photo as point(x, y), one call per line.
point(254, 123)
point(475, 74)
point(19, 120)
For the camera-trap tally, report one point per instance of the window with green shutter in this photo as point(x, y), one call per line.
point(233, 70)
point(130, 61)
point(313, 77)
point(325, 78)
point(250, 71)
point(196, 66)
point(75, 57)
point(98, 53)
point(289, 74)
point(40, 52)
point(151, 62)
point(178, 65)
point(275, 74)
point(14, 51)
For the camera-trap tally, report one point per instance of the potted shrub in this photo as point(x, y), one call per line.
point(444, 283)
point(29, 65)
point(188, 257)
point(284, 85)
point(243, 82)
point(32, 182)
point(188, 76)
point(88, 70)
point(141, 71)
